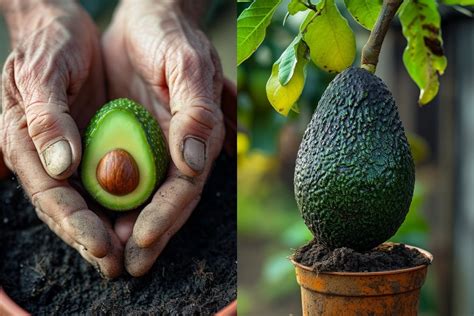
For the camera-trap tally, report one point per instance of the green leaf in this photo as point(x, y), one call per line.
point(330, 39)
point(458, 2)
point(309, 18)
point(365, 12)
point(283, 97)
point(296, 6)
point(251, 27)
point(288, 61)
point(423, 57)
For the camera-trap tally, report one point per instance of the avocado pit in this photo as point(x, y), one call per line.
point(117, 172)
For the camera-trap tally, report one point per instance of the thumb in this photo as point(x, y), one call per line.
point(196, 135)
point(196, 131)
point(54, 133)
point(194, 80)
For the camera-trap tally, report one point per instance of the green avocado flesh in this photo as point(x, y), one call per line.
point(127, 125)
point(354, 175)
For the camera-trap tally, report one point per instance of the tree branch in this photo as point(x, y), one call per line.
point(310, 6)
point(371, 50)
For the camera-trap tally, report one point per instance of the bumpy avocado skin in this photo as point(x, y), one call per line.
point(354, 175)
point(153, 132)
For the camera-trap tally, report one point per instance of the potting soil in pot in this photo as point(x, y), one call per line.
point(381, 258)
point(195, 274)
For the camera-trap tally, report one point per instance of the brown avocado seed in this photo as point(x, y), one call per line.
point(117, 172)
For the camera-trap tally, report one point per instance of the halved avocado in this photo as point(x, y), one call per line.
point(125, 155)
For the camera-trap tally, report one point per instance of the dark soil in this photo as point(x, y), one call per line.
point(195, 275)
point(385, 257)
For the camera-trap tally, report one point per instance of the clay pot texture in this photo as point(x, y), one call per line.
point(393, 292)
point(229, 310)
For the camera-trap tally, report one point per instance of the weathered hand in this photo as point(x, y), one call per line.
point(52, 84)
point(155, 54)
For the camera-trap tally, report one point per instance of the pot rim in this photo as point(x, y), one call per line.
point(378, 273)
point(229, 310)
point(9, 306)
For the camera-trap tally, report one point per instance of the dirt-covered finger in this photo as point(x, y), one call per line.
point(55, 198)
point(69, 210)
point(111, 266)
point(138, 260)
point(60, 232)
point(167, 205)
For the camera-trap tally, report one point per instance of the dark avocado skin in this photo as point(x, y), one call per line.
point(354, 175)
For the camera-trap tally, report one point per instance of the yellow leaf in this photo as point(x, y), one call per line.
point(330, 40)
point(282, 98)
point(423, 57)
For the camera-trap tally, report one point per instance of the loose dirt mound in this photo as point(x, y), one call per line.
point(381, 258)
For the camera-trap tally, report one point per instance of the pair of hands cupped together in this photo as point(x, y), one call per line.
point(61, 71)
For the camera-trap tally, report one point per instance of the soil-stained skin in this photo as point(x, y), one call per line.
point(197, 271)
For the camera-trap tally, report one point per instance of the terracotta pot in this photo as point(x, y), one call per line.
point(393, 292)
point(229, 310)
point(8, 307)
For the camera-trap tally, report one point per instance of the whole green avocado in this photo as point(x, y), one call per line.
point(354, 175)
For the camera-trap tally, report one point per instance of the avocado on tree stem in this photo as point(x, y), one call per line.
point(354, 175)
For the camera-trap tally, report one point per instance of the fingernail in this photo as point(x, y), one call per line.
point(57, 157)
point(194, 153)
